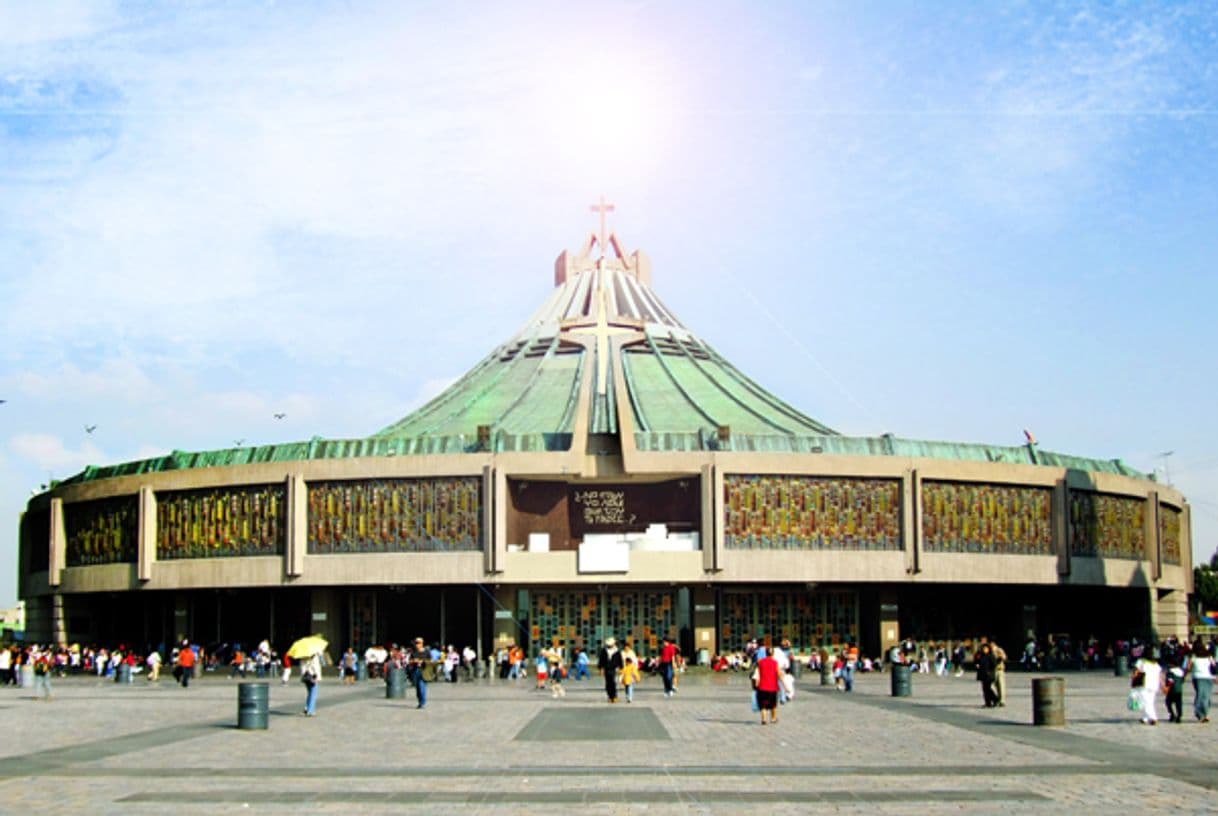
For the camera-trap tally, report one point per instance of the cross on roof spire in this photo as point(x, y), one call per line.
point(603, 207)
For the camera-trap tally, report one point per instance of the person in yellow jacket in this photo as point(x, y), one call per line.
point(630, 676)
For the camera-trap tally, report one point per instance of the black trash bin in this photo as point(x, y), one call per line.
point(395, 684)
point(1049, 701)
point(122, 674)
point(253, 705)
point(1120, 665)
point(361, 672)
point(902, 680)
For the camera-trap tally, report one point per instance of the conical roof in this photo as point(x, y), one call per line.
point(603, 366)
point(603, 343)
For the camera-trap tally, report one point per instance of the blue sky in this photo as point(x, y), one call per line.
point(943, 220)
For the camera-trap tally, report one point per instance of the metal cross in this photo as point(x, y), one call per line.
point(602, 208)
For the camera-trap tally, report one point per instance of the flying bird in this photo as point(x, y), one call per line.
point(90, 428)
point(238, 442)
point(280, 416)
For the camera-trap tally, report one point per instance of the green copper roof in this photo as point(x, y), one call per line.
point(601, 318)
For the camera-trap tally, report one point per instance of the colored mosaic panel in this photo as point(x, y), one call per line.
point(573, 618)
point(221, 523)
point(960, 517)
point(1169, 533)
point(641, 618)
point(581, 619)
point(808, 513)
point(1106, 526)
point(101, 532)
point(396, 516)
point(822, 619)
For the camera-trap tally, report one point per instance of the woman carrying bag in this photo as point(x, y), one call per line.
point(310, 675)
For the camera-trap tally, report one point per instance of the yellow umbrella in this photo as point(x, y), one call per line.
point(308, 646)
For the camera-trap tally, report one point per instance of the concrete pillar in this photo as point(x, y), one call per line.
point(705, 633)
point(1154, 553)
point(506, 614)
point(911, 520)
point(494, 515)
point(38, 624)
point(1061, 526)
point(890, 625)
point(1169, 613)
point(297, 512)
point(59, 626)
point(146, 534)
point(712, 516)
point(326, 618)
point(181, 618)
point(58, 544)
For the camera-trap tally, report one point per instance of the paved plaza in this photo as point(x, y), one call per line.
point(102, 747)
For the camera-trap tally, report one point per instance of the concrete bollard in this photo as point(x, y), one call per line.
point(1049, 701)
point(902, 680)
point(253, 705)
point(395, 684)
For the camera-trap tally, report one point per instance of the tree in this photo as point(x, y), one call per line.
point(1205, 585)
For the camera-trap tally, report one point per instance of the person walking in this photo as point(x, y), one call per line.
point(42, 674)
point(1173, 690)
point(1200, 666)
point(630, 676)
point(154, 666)
point(350, 666)
point(987, 669)
point(668, 658)
point(310, 675)
point(1147, 676)
point(186, 663)
point(609, 662)
point(419, 660)
point(1000, 674)
point(765, 679)
point(556, 670)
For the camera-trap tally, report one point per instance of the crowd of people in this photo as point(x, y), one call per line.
point(1163, 668)
point(1166, 668)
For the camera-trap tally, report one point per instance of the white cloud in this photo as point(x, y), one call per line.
point(49, 453)
point(24, 23)
point(119, 380)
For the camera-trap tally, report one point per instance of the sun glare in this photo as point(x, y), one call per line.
point(610, 113)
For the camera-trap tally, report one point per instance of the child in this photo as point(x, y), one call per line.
point(557, 672)
point(630, 676)
point(542, 666)
point(1173, 692)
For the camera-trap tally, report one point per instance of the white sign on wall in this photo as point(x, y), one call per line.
point(604, 553)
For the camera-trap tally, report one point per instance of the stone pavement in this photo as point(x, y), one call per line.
point(497, 745)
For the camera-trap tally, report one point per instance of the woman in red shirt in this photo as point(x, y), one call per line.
point(765, 681)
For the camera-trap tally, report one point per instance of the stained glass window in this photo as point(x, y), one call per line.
point(221, 522)
point(1107, 526)
point(987, 518)
point(809, 513)
point(809, 620)
point(101, 532)
point(396, 515)
point(1169, 533)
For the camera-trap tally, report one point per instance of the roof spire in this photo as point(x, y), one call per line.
point(603, 207)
